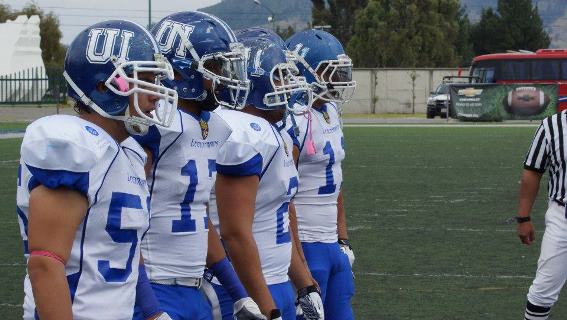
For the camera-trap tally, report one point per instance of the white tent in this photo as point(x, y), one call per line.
point(21, 52)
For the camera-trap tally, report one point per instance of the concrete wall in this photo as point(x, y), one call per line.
point(20, 45)
point(390, 90)
point(21, 52)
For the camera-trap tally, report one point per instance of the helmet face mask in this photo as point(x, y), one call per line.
point(107, 76)
point(162, 115)
point(290, 91)
point(227, 72)
point(336, 77)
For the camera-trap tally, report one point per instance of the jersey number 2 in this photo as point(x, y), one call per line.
point(282, 233)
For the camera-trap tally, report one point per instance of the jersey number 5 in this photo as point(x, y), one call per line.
point(119, 201)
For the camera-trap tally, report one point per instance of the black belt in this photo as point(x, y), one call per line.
point(559, 202)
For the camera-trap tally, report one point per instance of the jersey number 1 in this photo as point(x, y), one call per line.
point(186, 223)
point(330, 185)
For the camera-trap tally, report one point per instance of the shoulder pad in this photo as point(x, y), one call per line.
point(65, 143)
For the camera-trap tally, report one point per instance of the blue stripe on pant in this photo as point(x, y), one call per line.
point(284, 297)
point(330, 267)
point(180, 302)
point(282, 293)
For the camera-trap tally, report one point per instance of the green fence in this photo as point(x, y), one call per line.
point(33, 86)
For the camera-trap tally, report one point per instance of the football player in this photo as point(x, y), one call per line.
point(219, 298)
point(319, 203)
point(209, 67)
point(82, 192)
point(256, 180)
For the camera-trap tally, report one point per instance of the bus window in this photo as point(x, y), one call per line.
point(514, 70)
point(484, 74)
point(564, 70)
point(489, 76)
point(545, 70)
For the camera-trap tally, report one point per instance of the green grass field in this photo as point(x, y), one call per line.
point(428, 212)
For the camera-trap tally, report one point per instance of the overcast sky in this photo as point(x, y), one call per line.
point(75, 15)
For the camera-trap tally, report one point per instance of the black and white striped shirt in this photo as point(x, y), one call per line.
point(549, 150)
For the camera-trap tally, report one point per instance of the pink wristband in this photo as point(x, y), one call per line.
point(47, 254)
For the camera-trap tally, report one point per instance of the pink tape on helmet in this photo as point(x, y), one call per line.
point(121, 84)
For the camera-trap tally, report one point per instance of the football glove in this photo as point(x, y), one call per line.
point(247, 309)
point(309, 300)
point(347, 249)
point(163, 316)
point(276, 314)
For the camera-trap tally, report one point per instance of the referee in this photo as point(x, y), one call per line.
point(547, 151)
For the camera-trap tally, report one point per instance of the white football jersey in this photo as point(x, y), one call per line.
point(255, 147)
point(183, 174)
point(320, 173)
point(102, 270)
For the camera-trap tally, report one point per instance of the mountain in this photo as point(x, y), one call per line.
point(552, 12)
point(246, 13)
point(297, 13)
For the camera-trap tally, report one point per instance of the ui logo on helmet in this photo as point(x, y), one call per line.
point(168, 32)
point(102, 45)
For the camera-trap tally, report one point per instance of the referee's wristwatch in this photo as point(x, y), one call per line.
point(523, 219)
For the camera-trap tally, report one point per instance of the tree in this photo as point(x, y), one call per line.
point(406, 33)
point(487, 34)
point(5, 13)
point(463, 43)
point(516, 25)
point(339, 14)
point(522, 25)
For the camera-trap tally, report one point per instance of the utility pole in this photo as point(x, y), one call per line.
point(149, 14)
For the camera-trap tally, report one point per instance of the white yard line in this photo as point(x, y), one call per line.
point(355, 228)
point(443, 275)
point(441, 125)
point(11, 135)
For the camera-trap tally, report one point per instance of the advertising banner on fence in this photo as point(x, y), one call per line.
point(495, 102)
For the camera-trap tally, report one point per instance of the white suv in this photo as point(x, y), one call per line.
point(438, 101)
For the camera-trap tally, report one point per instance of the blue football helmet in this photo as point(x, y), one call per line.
point(320, 57)
point(102, 66)
point(200, 45)
point(260, 32)
point(274, 80)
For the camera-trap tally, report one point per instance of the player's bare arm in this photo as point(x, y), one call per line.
point(529, 188)
point(341, 218)
point(215, 251)
point(55, 215)
point(236, 198)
